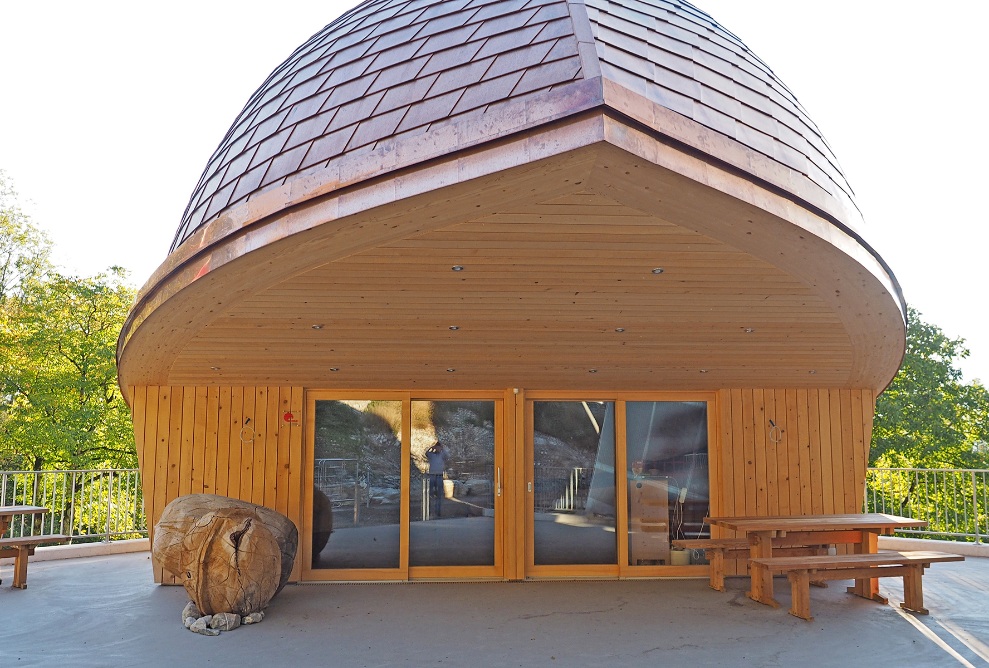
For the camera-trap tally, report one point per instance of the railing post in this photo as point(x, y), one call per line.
point(975, 508)
point(109, 504)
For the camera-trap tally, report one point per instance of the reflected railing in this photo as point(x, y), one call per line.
point(560, 489)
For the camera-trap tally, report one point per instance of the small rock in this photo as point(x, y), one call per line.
point(225, 621)
point(190, 610)
point(253, 618)
point(189, 621)
point(201, 626)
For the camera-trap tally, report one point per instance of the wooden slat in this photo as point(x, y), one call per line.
point(269, 480)
point(224, 429)
point(748, 443)
point(260, 445)
point(821, 448)
point(211, 446)
point(848, 448)
point(297, 476)
point(236, 458)
point(831, 449)
point(798, 417)
point(283, 456)
point(198, 454)
point(187, 430)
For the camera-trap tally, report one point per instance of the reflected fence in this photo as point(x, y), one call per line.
point(107, 504)
point(955, 502)
point(89, 505)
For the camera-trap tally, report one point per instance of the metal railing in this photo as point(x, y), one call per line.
point(955, 502)
point(107, 504)
point(90, 505)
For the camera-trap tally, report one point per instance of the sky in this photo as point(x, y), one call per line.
point(110, 110)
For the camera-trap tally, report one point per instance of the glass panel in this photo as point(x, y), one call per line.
point(666, 451)
point(574, 483)
point(357, 491)
point(453, 486)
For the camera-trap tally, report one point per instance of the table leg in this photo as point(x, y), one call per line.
point(761, 580)
point(868, 588)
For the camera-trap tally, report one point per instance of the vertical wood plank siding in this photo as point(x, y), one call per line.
point(813, 462)
point(237, 442)
point(232, 441)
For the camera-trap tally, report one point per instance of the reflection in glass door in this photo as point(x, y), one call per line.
point(454, 484)
point(573, 492)
point(357, 480)
point(667, 472)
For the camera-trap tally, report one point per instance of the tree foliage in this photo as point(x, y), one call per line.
point(60, 406)
point(928, 417)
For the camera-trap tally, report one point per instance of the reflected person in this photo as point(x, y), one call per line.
point(437, 456)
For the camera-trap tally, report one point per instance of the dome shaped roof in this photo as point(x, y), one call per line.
point(393, 70)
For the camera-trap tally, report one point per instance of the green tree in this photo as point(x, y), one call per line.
point(60, 406)
point(24, 249)
point(928, 417)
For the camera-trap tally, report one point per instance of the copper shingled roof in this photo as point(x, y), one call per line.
point(394, 68)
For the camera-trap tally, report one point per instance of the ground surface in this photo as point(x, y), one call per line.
point(105, 611)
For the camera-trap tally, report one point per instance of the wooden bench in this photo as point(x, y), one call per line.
point(719, 550)
point(800, 570)
point(22, 548)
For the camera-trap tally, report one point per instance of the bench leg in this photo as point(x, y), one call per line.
point(913, 590)
point(800, 594)
point(20, 567)
point(716, 557)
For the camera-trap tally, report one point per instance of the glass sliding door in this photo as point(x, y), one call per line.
point(454, 484)
point(667, 478)
point(573, 483)
point(357, 482)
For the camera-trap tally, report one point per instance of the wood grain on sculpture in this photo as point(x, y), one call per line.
point(232, 556)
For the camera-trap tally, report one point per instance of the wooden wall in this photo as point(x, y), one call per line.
point(813, 461)
point(235, 441)
point(232, 441)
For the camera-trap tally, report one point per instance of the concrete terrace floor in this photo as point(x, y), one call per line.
point(106, 611)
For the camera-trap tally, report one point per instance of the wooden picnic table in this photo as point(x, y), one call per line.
point(7, 514)
point(22, 547)
point(861, 530)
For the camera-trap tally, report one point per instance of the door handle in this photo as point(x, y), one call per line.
point(498, 483)
point(529, 487)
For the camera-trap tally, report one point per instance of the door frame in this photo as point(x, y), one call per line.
point(525, 476)
point(504, 431)
point(514, 508)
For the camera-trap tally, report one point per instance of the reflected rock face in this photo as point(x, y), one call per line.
point(232, 556)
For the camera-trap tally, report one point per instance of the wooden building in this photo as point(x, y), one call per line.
point(595, 247)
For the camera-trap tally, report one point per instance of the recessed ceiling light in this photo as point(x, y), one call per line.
point(457, 267)
point(450, 370)
point(454, 328)
point(657, 270)
point(812, 371)
point(619, 329)
point(749, 330)
point(703, 370)
point(334, 368)
point(317, 326)
point(592, 371)
point(214, 368)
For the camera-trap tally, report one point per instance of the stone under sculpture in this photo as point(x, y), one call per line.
point(231, 556)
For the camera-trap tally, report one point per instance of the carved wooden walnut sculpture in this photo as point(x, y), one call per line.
point(232, 556)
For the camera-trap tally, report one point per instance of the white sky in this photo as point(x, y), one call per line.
point(110, 110)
